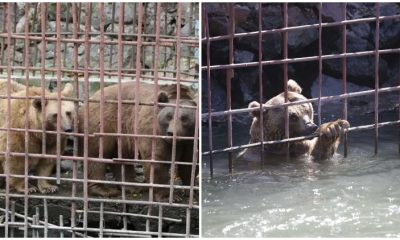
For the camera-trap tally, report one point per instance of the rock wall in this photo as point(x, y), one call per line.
point(112, 11)
point(301, 43)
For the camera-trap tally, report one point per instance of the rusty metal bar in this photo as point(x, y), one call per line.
point(376, 95)
point(178, 98)
point(304, 59)
point(96, 71)
point(76, 105)
point(120, 50)
point(260, 81)
point(210, 138)
point(59, 42)
point(58, 66)
point(8, 119)
point(26, 159)
point(105, 200)
point(357, 128)
point(344, 74)
point(86, 118)
point(303, 27)
point(319, 70)
point(285, 75)
point(4, 30)
point(131, 215)
point(46, 218)
point(229, 78)
point(163, 42)
point(323, 99)
point(153, 142)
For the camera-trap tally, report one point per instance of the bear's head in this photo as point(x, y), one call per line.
point(184, 123)
point(67, 113)
point(301, 116)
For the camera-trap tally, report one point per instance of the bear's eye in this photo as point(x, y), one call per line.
point(69, 114)
point(184, 118)
point(54, 115)
point(169, 116)
point(293, 118)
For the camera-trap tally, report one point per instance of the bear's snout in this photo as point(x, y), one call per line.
point(68, 129)
point(310, 128)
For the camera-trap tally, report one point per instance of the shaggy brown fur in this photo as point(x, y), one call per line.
point(163, 147)
point(300, 124)
point(33, 107)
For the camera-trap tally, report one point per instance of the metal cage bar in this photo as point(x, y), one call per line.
point(229, 66)
point(133, 42)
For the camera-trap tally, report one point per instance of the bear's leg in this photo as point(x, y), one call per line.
point(130, 175)
point(161, 176)
point(328, 141)
point(185, 171)
point(45, 168)
point(97, 171)
point(16, 165)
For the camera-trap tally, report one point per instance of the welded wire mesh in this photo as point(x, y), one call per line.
point(270, 28)
point(94, 47)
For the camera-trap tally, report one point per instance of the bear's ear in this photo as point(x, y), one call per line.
point(68, 88)
point(162, 97)
point(293, 86)
point(255, 112)
point(37, 103)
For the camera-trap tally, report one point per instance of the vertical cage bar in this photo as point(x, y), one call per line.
point(12, 230)
point(112, 30)
point(260, 82)
point(76, 105)
point(178, 98)
point(320, 6)
point(43, 73)
point(229, 79)
point(344, 73)
point(58, 69)
point(46, 218)
point(376, 95)
point(210, 142)
point(101, 224)
point(160, 216)
point(285, 76)
point(194, 157)
point(188, 216)
point(37, 215)
point(155, 107)
point(35, 13)
point(27, 103)
point(86, 117)
point(8, 118)
point(119, 106)
point(4, 30)
point(138, 74)
point(61, 225)
point(14, 31)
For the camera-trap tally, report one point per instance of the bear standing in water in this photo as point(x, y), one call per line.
point(165, 123)
point(300, 124)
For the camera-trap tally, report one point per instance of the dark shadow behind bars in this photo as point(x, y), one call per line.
point(92, 46)
point(256, 27)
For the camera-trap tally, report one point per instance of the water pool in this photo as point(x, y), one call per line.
point(357, 196)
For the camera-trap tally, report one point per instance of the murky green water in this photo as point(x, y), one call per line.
point(357, 196)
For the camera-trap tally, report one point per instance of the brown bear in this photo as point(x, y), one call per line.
point(300, 124)
point(19, 109)
point(14, 87)
point(164, 117)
